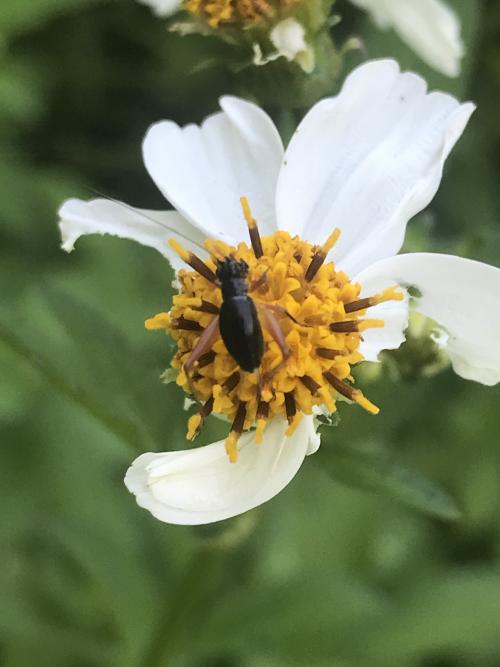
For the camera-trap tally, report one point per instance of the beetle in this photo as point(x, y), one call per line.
point(238, 320)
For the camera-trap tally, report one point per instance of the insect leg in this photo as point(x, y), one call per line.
point(274, 328)
point(205, 342)
point(259, 282)
point(279, 310)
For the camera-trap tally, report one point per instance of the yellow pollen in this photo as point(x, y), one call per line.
point(232, 446)
point(182, 252)
point(390, 294)
point(312, 331)
point(238, 12)
point(365, 403)
point(194, 424)
point(160, 321)
point(363, 325)
point(260, 425)
point(250, 220)
point(330, 241)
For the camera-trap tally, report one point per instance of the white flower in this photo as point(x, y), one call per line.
point(365, 161)
point(162, 7)
point(430, 27)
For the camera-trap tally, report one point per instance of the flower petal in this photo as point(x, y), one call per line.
point(367, 161)
point(149, 228)
point(394, 313)
point(200, 486)
point(162, 7)
point(430, 27)
point(203, 171)
point(463, 297)
point(289, 39)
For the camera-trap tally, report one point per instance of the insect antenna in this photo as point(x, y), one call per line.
point(146, 217)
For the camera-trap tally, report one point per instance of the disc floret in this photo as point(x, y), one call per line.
point(237, 12)
point(321, 317)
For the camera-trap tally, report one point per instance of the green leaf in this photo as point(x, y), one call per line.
point(86, 359)
point(375, 469)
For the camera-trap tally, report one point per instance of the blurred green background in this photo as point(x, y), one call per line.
point(327, 574)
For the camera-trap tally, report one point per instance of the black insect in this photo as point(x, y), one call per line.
point(238, 321)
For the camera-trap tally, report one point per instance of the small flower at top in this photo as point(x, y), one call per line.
point(272, 28)
point(288, 276)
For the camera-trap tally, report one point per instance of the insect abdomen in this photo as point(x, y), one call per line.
point(241, 332)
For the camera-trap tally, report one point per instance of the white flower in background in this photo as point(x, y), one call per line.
point(429, 27)
point(365, 162)
point(162, 7)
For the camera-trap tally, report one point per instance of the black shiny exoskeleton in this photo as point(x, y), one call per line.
point(239, 325)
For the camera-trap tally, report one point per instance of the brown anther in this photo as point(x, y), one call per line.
point(348, 326)
point(340, 386)
point(231, 382)
point(262, 410)
point(206, 359)
point(315, 265)
point(207, 408)
point(239, 419)
point(320, 255)
point(360, 304)
point(290, 406)
point(198, 265)
point(309, 383)
point(327, 353)
point(207, 307)
point(186, 325)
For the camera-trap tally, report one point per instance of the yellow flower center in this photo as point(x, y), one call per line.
point(245, 12)
point(311, 319)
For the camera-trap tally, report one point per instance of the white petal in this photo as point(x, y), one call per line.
point(463, 297)
point(289, 39)
point(200, 486)
point(367, 161)
point(162, 7)
point(430, 27)
point(203, 171)
point(394, 313)
point(149, 228)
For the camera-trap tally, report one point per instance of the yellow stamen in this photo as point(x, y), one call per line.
point(245, 13)
point(232, 446)
point(363, 325)
point(194, 424)
point(259, 431)
point(389, 294)
point(180, 250)
point(160, 321)
point(361, 400)
point(247, 213)
point(252, 228)
point(330, 241)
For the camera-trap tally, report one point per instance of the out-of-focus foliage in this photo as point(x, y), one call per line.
point(324, 575)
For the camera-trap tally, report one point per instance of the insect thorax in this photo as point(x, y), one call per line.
point(232, 275)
